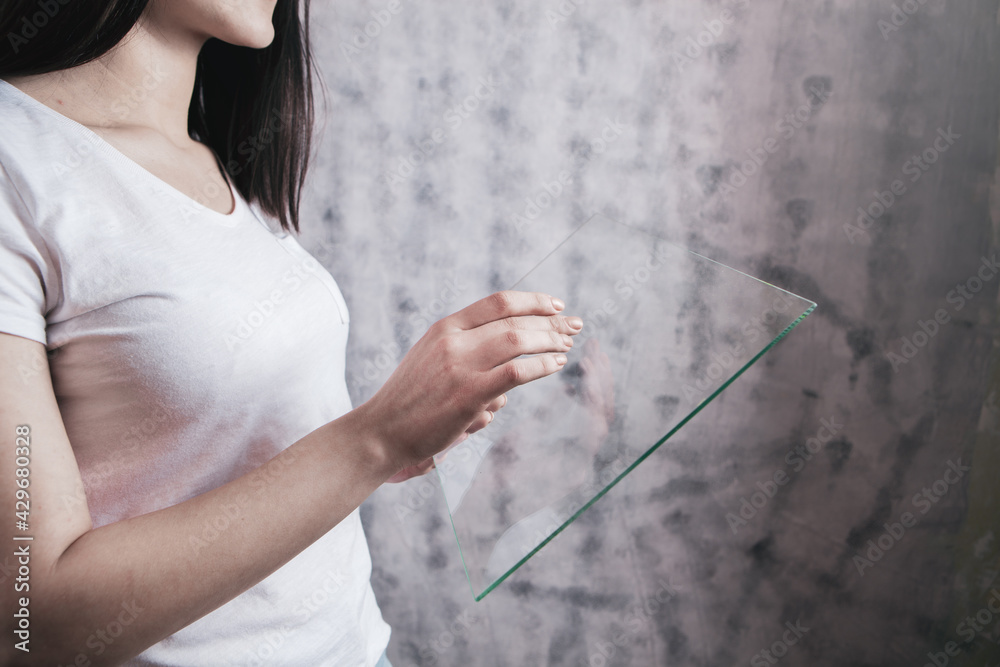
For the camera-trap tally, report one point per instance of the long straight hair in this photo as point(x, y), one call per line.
point(253, 107)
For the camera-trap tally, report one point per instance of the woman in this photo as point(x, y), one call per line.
point(172, 363)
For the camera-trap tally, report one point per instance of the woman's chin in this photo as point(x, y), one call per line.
point(256, 39)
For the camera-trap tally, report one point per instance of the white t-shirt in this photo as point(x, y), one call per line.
point(187, 348)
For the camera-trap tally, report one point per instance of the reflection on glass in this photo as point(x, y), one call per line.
point(665, 330)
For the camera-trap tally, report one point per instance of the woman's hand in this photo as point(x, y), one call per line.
point(425, 467)
point(453, 379)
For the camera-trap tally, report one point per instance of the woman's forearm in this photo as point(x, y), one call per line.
point(175, 568)
point(171, 567)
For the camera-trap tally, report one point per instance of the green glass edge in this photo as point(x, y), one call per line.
point(461, 552)
point(479, 597)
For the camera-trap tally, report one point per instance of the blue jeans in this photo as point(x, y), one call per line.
point(384, 661)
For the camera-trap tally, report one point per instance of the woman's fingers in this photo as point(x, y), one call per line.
point(487, 415)
point(497, 403)
point(510, 334)
point(503, 346)
point(511, 337)
point(480, 422)
point(558, 323)
point(523, 370)
point(508, 303)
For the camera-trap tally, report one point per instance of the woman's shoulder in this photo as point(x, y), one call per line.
point(44, 156)
point(36, 141)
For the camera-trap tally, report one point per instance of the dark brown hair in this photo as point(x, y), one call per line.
point(253, 107)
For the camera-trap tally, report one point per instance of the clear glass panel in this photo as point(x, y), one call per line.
point(665, 330)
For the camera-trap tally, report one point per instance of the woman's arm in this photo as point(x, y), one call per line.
point(81, 578)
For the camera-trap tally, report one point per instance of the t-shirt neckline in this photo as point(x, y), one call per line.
point(99, 142)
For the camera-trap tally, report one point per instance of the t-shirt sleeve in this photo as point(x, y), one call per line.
point(22, 267)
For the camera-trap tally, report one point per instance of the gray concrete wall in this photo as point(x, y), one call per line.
point(439, 235)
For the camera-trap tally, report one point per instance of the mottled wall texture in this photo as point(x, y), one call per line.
point(751, 131)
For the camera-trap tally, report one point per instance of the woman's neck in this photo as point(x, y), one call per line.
point(143, 83)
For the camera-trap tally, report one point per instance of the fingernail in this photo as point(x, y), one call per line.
point(567, 340)
point(574, 323)
point(561, 359)
point(558, 303)
point(490, 414)
point(504, 397)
